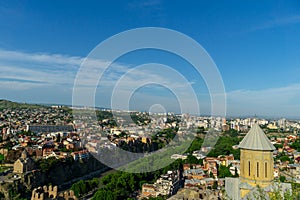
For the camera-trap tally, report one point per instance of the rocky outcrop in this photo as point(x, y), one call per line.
point(58, 174)
point(61, 172)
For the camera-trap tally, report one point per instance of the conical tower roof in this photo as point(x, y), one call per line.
point(24, 154)
point(256, 139)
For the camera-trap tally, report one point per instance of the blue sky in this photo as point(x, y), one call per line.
point(255, 45)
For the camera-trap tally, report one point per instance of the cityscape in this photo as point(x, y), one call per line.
point(149, 100)
point(45, 155)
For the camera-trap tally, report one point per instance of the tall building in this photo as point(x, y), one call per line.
point(256, 165)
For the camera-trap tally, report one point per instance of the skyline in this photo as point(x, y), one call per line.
point(254, 46)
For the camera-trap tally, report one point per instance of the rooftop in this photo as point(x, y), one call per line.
point(256, 139)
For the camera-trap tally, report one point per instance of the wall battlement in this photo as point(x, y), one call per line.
point(51, 193)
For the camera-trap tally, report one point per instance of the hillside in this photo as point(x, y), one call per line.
point(9, 104)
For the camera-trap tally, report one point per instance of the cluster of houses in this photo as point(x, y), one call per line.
point(283, 124)
point(14, 120)
point(289, 168)
point(55, 136)
point(193, 177)
point(60, 145)
point(167, 185)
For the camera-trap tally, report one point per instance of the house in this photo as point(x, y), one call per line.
point(148, 190)
point(24, 163)
point(79, 155)
point(167, 185)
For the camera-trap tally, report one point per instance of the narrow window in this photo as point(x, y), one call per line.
point(248, 168)
point(257, 169)
point(266, 169)
point(242, 168)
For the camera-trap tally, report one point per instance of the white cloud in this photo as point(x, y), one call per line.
point(37, 68)
point(282, 21)
point(30, 71)
point(35, 76)
point(281, 101)
point(17, 85)
point(52, 69)
point(55, 74)
point(42, 58)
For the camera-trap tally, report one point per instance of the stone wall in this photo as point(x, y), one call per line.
point(51, 193)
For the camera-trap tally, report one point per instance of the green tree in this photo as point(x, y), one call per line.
point(224, 171)
point(121, 184)
point(277, 146)
point(224, 147)
point(104, 195)
point(58, 138)
point(285, 158)
point(94, 183)
point(79, 188)
point(282, 178)
point(196, 145)
point(192, 160)
point(232, 133)
point(215, 185)
point(296, 145)
point(1, 158)
point(235, 172)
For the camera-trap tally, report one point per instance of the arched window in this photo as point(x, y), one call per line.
point(266, 169)
point(249, 166)
point(257, 169)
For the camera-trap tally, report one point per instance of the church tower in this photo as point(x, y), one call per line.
point(24, 154)
point(257, 163)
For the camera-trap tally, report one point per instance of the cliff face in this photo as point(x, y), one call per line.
point(66, 172)
point(59, 174)
point(62, 172)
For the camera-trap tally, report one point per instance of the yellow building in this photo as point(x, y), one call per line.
point(24, 163)
point(256, 167)
point(257, 163)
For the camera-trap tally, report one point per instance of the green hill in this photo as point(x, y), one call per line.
point(14, 105)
